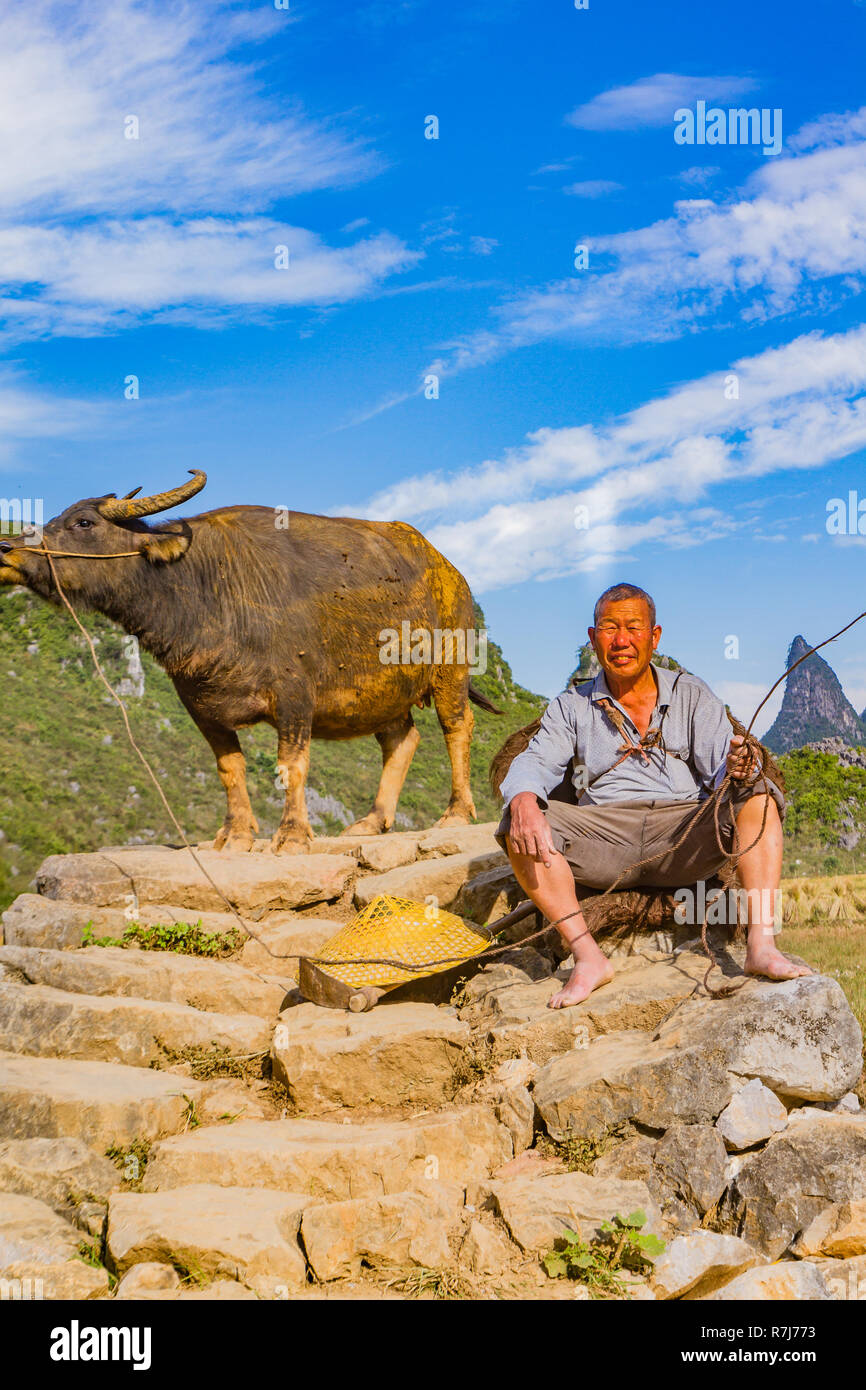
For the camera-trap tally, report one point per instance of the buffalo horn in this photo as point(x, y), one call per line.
point(124, 509)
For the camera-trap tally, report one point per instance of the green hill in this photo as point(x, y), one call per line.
point(71, 782)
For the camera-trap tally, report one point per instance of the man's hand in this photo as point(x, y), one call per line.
point(530, 833)
point(742, 762)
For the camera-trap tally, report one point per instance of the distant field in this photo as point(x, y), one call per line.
point(829, 932)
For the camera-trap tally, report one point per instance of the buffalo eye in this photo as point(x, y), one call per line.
point(84, 523)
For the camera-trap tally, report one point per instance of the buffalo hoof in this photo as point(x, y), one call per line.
point(241, 841)
point(455, 818)
point(372, 824)
point(290, 842)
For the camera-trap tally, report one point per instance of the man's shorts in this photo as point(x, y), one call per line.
point(677, 838)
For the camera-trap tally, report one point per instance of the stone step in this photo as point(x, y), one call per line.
point(333, 1161)
point(46, 1022)
point(395, 1054)
point(402, 845)
point(398, 1230)
point(441, 878)
point(211, 985)
point(98, 1102)
point(54, 924)
point(513, 1010)
point(244, 1233)
point(287, 935)
point(58, 1172)
point(38, 1246)
point(253, 883)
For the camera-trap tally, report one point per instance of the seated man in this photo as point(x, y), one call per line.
point(649, 745)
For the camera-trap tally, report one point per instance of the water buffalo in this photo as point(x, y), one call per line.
point(262, 615)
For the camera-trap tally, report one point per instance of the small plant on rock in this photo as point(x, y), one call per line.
point(600, 1263)
point(185, 938)
point(579, 1155)
point(131, 1160)
point(429, 1283)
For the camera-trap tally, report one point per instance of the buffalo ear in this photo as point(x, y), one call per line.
point(162, 549)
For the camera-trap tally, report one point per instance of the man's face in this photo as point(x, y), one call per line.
point(624, 641)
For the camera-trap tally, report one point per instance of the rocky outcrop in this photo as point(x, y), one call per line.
point(814, 706)
point(177, 1126)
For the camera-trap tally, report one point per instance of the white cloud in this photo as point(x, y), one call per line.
point(86, 279)
point(794, 240)
point(592, 188)
point(699, 175)
point(652, 100)
point(209, 137)
point(98, 230)
point(799, 406)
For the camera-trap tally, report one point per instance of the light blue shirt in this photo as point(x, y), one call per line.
point(695, 729)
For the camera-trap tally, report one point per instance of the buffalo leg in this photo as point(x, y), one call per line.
point(398, 742)
point(293, 833)
point(240, 825)
point(457, 722)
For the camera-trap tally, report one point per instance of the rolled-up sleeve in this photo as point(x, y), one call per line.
point(540, 767)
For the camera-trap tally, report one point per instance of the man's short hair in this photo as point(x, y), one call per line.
point(621, 591)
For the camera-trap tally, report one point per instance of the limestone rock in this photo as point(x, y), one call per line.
point(485, 1251)
point(694, 1265)
point(490, 895)
point(537, 1210)
point(30, 1230)
point(67, 1281)
point(397, 1053)
point(515, 1108)
point(219, 986)
point(798, 1037)
point(333, 1161)
point(789, 1282)
point(752, 1116)
point(640, 996)
point(47, 1022)
point(55, 924)
point(802, 1171)
point(225, 1098)
point(405, 1228)
point(690, 1160)
point(98, 1102)
point(251, 882)
point(846, 1279)
point(440, 878)
point(627, 1076)
point(146, 1278)
point(381, 853)
point(55, 1171)
point(458, 839)
point(283, 936)
point(249, 1234)
point(838, 1232)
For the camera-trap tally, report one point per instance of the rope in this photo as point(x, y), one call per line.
point(714, 799)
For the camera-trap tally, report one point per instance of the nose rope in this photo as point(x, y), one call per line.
point(712, 800)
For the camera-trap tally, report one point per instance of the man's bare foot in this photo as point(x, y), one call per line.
point(584, 978)
point(767, 961)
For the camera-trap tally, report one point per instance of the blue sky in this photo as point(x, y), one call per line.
point(606, 387)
